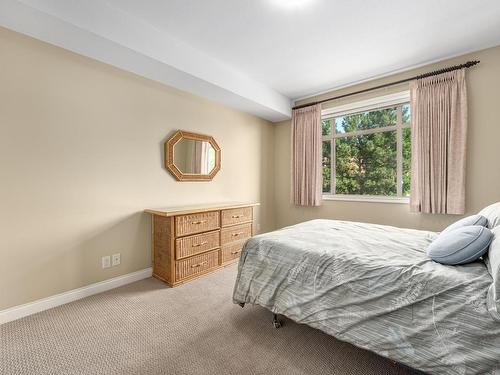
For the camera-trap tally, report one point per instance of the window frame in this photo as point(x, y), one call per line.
point(380, 102)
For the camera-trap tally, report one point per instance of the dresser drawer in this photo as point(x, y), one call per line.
point(196, 264)
point(199, 243)
point(236, 216)
point(236, 233)
point(196, 223)
point(232, 251)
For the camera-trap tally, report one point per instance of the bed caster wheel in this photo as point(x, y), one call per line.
point(276, 322)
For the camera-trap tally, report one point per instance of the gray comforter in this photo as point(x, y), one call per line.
point(373, 286)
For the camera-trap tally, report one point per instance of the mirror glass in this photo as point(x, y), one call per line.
point(194, 156)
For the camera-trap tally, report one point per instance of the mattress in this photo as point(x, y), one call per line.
point(373, 286)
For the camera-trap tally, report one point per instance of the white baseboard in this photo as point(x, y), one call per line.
point(30, 308)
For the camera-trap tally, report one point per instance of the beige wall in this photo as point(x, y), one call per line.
point(483, 171)
point(81, 156)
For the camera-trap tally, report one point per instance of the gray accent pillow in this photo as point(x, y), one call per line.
point(492, 213)
point(467, 221)
point(493, 263)
point(461, 245)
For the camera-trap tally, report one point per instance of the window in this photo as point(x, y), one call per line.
point(366, 149)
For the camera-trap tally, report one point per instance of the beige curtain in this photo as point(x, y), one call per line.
point(306, 156)
point(439, 131)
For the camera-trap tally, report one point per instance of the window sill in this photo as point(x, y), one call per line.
point(369, 199)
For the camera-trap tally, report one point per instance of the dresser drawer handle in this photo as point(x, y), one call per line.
point(199, 222)
point(199, 264)
point(236, 216)
point(235, 252)
point(200, 244)
point(237, 234)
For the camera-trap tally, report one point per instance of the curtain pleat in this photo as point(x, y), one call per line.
point(306, 156)
point(439, 133)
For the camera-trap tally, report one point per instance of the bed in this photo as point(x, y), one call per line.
point(373, 286)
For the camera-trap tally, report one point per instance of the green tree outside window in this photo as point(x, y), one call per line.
point(365, 153)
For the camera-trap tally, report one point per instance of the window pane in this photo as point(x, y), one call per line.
point(327, 129)
point(406, 113)
point(327, 166)
point(406, 161)
point(366, 164)
point(366, 120)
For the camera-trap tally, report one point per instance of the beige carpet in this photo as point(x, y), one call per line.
point(147, 328)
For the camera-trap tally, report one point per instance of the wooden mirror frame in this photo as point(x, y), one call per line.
point(169, 156)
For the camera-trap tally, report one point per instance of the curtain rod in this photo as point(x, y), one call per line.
point(468, 64)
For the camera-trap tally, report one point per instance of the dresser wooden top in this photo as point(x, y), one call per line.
point(185, 210)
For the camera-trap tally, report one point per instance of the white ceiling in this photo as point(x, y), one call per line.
point(257, 55)
point(323, 44)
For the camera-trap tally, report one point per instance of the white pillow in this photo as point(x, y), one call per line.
point(492, 213)
point(493, 263)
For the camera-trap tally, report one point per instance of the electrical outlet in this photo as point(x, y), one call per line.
point(116, 259)
point(106, 261)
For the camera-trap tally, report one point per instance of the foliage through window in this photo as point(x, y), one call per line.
point(367, 153)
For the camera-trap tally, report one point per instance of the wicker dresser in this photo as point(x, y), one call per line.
point(190, 242)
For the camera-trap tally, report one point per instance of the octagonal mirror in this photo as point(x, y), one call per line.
point(192, 156)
